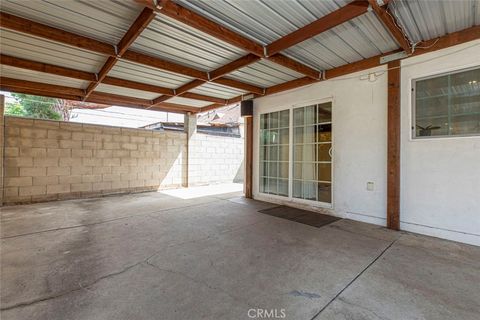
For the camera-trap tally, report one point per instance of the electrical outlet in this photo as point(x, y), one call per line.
point(370, 186)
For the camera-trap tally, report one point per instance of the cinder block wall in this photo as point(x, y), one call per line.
point(215, 159)
point(51, 160)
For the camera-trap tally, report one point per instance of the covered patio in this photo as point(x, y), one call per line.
point(359, 168)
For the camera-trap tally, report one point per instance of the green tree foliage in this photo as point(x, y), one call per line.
point(33, 107)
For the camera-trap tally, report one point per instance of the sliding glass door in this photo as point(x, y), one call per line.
point(310, 149)
point(274, 152)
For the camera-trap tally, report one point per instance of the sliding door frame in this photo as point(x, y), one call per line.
point(290, 198)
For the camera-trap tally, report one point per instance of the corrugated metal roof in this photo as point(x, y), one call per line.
point(268, 20)
point(126, 92)
point(28, 75)
point(425, 20)
point(23, 46)
point(357, 39)
point(175, 41)
point(189, 102)
point(264, 73)
point(140, 73)
point(105, 20)
point(217, 90)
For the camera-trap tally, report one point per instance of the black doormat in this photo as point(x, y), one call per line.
point(310, 218)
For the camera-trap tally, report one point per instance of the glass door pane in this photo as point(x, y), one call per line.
point(274, 152)
point(312, 167)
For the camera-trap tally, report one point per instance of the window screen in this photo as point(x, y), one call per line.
point(447, 105)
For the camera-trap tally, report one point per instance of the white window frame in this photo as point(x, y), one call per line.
point(413, 123)
point(290, 198)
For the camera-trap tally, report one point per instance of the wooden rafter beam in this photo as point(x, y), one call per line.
point(188, 17)
point(239, 85)
point(157, 63)
point(64, 92)
point(234, 65)
point(45, 68)
point(214, 29)
point(449, 40)
point(42, 87)
point(327, 22)
point(295, 66)
point(82, 75)
point(391, 24)
point(142, 21)
point(33, 28)
point(19, 24)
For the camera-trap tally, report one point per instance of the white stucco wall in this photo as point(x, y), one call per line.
point(440, 186)
point(359, 141)
point(440, 177)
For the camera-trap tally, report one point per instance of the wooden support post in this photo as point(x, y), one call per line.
point(393, 146)
point(248, 183)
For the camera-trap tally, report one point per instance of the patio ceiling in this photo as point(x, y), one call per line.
point(192, 56)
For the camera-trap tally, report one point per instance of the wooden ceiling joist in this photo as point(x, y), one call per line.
point(33, 28)
point(63, 92)
point(196, 96)
point(133, 32)
point(137, 86)
point(391, 24)
point(329, 21)
point(46, 68)
point(239, 85)
point(295, 66)
point(218, 31)
point(190, 18)
point(449, 40)
point(158, 63)
point(82, 75)
point(19, 24)
point(234, 65)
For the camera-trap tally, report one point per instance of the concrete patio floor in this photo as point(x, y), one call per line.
point(163, 256)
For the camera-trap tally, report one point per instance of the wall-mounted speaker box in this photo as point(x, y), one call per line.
point(246, 108)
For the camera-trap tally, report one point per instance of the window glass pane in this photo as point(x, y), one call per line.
point(308, 172)
point(448, 104)
point(312, 144)
point(274, 120)
point(263, 121)
point(465, 124)
point(297, 189)
point(263, 184)
point(324, 192)
point(283, 153)
point(309, 115)
point(272, 185)
point(298, 135)
point(283, 170)
point(298, 152)
point(310, 190)
point(324, 133)
point(297, 171)
point(274, 153)
point(323, 152)
point(283, 187)
point(309, 134)
point(285, 119)
point(298, 117)
point(324, 172)
point(273, 136)
point(324, 112)
point(283, 139)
